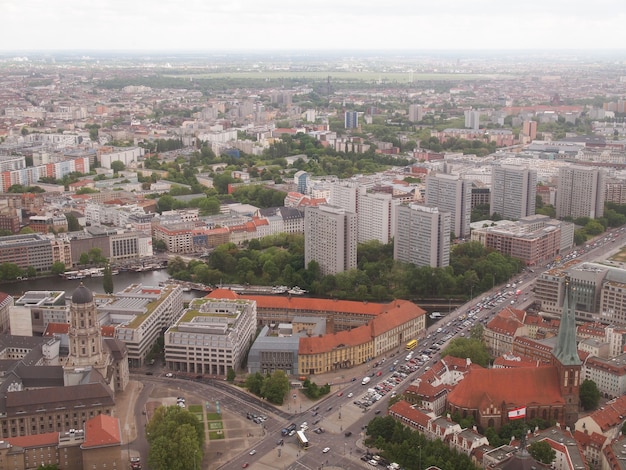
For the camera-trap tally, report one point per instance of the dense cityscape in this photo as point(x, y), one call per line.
point(307, 260)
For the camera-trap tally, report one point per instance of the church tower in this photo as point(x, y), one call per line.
point(565, 358)
point(84, 332)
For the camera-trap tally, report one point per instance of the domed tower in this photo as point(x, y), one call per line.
point(84, 332)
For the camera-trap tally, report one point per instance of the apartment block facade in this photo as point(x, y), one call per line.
point(580, 192)
point(422, 236)
point(513, 191)
point(330, 238)
point(453, 194)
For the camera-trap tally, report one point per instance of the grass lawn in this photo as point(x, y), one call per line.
point(215, 425)
point(213, 435)
point(213, 417)
point(195, 408)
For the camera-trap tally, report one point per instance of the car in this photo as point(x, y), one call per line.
point(304, 424)
point(326, 450)
point(373, 463)
point(245, 465)
point(149, 373)
point(377, 412)
point(169, 375)
point(379, 373)
point(317, 421)
point(253, 451)
point(329, 408)
point(280, 442)
point(353, 379)
point(340, 394)
point(350, 395)
point(347, 433)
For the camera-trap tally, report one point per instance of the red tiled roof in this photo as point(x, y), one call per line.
point(403, 408)
point(611, 415)
point(223, 294)
point(102, 430)
point(316, 305)
point(35, 440)
point(522, 386)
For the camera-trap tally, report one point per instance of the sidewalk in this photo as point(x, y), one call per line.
point(125, 412)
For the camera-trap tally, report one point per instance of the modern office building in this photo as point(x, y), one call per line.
point(580, 192)
point(212, 336)
point(31, 249)
point(139, 314)
point(301, 180)
point(513, 191)
point(351, 120)
point(422, 236)
point(330, 238)
point(453, 194)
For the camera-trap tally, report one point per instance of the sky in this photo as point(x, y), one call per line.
point(265, 25)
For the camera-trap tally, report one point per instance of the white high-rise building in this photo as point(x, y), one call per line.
point(422, 236)
point(376, 217)
point(344, 194)
point(453, 194)
point(580, 192)
point(330, 238)
point(472, 119)
point(513, 191)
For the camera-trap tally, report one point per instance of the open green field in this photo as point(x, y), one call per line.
point(213, 417)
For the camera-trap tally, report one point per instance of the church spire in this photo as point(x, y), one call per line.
point(566, 351)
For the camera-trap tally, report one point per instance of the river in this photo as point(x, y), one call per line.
point(120, 282)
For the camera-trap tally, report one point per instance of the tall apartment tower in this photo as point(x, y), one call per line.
point(376, 217)
point(416, 112)
point(422, 236)
point(330, 238)
point(351, 120)
point(472, 119)
point(513, 191)
point(529, 129)
point(580, 192)
point(344, 194)
point(451, 193)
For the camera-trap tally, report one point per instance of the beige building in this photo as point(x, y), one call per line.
point(213, 335)
point(400, 322)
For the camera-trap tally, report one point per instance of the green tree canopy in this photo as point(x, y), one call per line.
point(176, 439)
point(542, 451)
point(468, 348)
point(589, 395)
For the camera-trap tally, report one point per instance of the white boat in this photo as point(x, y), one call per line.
point(295, 290)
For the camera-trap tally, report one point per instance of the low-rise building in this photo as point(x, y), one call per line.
point(608, 374)
point(499, 333)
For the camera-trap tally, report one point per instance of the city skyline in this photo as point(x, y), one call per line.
point(247, 25)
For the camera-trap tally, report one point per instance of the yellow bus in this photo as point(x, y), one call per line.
point(411, 344)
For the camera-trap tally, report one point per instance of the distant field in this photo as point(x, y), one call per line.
point(341, 76)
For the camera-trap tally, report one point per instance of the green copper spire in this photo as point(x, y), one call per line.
point(566, 351)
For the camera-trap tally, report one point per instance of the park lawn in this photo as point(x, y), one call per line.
point(215, 425)
point(213, 417)
point(214, 435)
point(195, 409)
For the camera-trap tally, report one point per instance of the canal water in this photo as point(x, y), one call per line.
point(120, 282)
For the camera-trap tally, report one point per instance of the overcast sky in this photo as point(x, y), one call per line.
point(260, 25)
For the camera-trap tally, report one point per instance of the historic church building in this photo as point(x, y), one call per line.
point(549, 392)
point(89, 352)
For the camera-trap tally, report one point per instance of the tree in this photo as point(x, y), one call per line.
point(589, 395)
point(117, 166)
point(10, 271)
point(254, 383)
point(72, 223)
point(31, 271)
point(468, 348)
point(176, 439)
point(275, 387)
point(107, 280)
point(542, 451)
point(84, 258)
point(26, 230)
point(231, 375)
point(58, 267)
